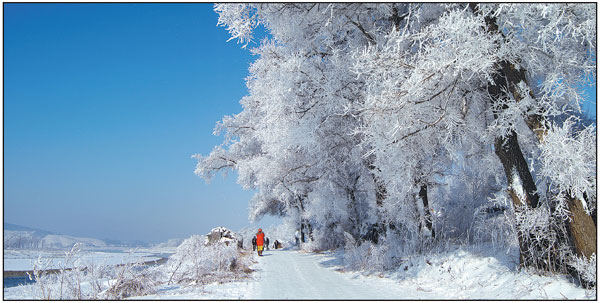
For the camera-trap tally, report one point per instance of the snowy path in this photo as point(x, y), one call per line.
point(289, 274)
point(297, 275)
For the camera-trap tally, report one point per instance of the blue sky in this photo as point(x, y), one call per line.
point(103, 106)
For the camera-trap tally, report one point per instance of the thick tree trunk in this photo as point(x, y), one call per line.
point(582, 228)
point(374, 232)
point(521, 187)
point(516, 170)
point(427, 213)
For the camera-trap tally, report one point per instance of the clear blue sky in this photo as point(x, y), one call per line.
point(103, 106)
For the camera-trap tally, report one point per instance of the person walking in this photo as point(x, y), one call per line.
point(254, 243)
point(260, 241)
point(267, 243)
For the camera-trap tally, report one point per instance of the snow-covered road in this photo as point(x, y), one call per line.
point(290, 274)
point(293, 274)
point(457, 274)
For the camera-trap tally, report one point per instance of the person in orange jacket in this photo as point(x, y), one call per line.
point(260, 241)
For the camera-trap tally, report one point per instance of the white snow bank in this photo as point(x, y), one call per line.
point(486, 274)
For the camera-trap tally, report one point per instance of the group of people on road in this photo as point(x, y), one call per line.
point(260, 242)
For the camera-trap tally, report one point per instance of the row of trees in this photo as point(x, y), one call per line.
point(398, 122)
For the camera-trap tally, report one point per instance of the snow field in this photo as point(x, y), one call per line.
point(19, 260)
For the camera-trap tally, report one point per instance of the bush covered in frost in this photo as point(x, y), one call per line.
point(77, 279)
point(364, 255)
point(586, 267)
point(197, 261)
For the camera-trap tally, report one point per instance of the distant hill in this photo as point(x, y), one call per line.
point(169, 243)
point(23, 237)
point(8, 226)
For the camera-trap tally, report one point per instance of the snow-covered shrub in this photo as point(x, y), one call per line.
point(371, 257)
point(284, 233)
point(329, 237)
point(76, 279)
point(542, 235)
point(585, 267)
point(568, 160)
point(130, 280)
point(61, 284)
point(43, 281)
point(494, 222)
point(196, 261)
point(355, 256)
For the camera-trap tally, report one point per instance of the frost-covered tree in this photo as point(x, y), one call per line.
point(299, 90)
point(461, 76)
point(375, 120)
point(552, 45)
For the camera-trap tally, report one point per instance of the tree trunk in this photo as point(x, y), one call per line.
point(518, 175)
point(521, 187)
point(302, 220)
point(354, 210)
point(380, 227)
point(582, 228)
point(427, 213)
point(516, 169)
point(302, 239)
point(380, 191)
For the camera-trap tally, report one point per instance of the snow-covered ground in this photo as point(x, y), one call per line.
point(458, 274)
point(22, 260)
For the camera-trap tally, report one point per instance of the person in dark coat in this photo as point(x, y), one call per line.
point(267, 243)
point(254, 243)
